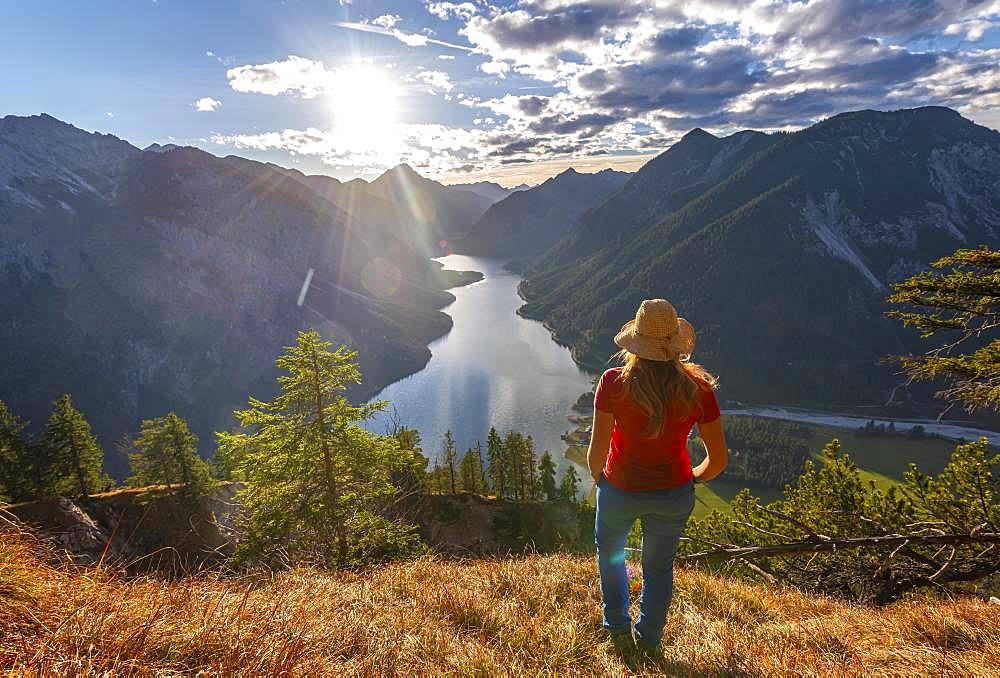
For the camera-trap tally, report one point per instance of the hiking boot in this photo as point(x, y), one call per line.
point(622, 641)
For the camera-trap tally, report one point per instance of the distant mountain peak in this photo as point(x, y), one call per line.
point(402, 168)
point(161, 148)
point(527, 222)
point(402, 171)
point(698, 133)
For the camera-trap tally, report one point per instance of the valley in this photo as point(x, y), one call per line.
point(161, 281)
point(305, 308)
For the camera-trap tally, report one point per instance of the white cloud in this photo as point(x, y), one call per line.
point(386, 20)
point(497, 68)
point(294, 75)
point(436, 147)
point(436, 79)
point(446, 10)
point(410, 39)
point(206, 104)
point(110, 114)
point(446, 57)
point(973, 30)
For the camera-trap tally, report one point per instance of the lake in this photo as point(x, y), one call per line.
point(494, 368)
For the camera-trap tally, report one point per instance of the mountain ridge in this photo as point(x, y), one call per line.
point(528, 222)
point(755, 236)
point(144, 282)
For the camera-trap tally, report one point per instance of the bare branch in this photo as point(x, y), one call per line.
point(829, 544)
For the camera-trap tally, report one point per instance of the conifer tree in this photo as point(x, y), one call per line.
point(569, 486)
point(450, 459)
point(484, 485)
point(413, 476)
point(470, 472)
point(513, 460)
point(21, 476)
point(547, 477)
point(963, 304)
point(437, 480)
point(498, 469)
point(73, 455)
point(166, 452)
point(315, 479)
point(531, 477)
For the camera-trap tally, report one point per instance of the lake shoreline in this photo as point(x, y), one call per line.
point(494, 368)
point(450, 279)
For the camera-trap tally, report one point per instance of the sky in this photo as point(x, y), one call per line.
point(476, 90)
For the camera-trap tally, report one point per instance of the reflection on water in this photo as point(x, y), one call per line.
point(494, 368)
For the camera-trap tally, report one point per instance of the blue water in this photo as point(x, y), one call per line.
point(494, 368)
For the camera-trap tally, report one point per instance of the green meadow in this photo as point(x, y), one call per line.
point(882, 459)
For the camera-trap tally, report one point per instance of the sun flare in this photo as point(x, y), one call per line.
point(364, 103)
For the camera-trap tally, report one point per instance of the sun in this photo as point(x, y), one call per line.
point(364, 103)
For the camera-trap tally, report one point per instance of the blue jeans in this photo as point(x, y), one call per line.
point(663, 514)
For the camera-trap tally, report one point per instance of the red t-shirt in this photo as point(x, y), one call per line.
point(637, 462)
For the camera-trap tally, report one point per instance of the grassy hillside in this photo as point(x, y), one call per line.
point(525, 616)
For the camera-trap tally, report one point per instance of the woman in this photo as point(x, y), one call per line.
point(643, 414)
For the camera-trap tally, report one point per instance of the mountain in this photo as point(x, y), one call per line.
point(662, 185)
point(161, 148)
point(780, 249)
point(491, 191)
point(528, 222)
point(145, 282)
point(428, 212)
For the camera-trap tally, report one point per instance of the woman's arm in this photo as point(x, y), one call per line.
point(600, 442)
point(715, 445)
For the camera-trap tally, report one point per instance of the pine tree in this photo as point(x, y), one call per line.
point(498, 471)
point(964, 304)
point(519, 456)
point(166, 453)
point(315, 480)
point(74, 456)
point(469, 471)
point(410, 477)
point(437, 480)
point(569, 487)
point(450, 459)
point(531, 479)
point(547, 477)
point(22, 476)
point(510, 463)
point(484, 485)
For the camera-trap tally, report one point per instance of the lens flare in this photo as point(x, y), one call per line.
point(381, 278)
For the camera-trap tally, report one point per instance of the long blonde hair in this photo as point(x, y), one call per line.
point(663, 390)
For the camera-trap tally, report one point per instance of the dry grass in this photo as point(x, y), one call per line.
point(523, 616)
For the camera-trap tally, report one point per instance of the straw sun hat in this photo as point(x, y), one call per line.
point(657, 333)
